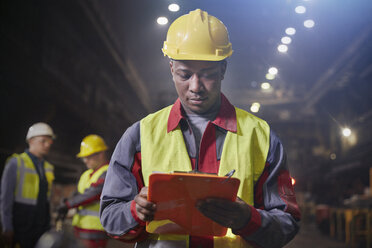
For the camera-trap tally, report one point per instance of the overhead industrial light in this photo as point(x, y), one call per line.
point(333, 156)
point(309, 23)
point(255, 107)
point(300, 9)
point(270, 76)
point(266, 86)
point(282, 48)
point(174, 7)
point(346, 132)
point(286, 40)
point(273, 70)
point(290, 31)
point(162, 20)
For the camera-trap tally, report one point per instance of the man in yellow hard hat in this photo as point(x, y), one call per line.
point(86, 221)
point(203, 132)
point(26, 186)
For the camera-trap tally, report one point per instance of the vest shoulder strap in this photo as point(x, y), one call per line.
point(14, 155)
point(48, 165)
point(157, 117)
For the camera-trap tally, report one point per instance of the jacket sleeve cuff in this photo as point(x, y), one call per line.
point(135, 235)
point(252, 226)
point(134, 214)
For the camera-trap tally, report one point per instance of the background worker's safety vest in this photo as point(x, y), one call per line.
point(27, 186)
point(87, 216)
point(245, 151)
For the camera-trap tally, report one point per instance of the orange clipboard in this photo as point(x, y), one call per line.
point(176, 195)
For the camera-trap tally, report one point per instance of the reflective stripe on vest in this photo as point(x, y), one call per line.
point(85, 212)
point(27, 186)
point(87, 216)
point(245, 151)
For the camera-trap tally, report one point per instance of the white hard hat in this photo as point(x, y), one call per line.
point(39, 129)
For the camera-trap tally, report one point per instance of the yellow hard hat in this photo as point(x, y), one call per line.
point(91, 144)
point(197, 36)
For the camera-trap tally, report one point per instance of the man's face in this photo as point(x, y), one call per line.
point(93, 161)
point(40, 145)
point(198, 84)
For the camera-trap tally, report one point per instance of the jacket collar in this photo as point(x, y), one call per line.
point(225, 119)
point(34, 159)
point(99, 167)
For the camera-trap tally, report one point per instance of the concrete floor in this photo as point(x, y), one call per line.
point(118, 244)
point(308, 237)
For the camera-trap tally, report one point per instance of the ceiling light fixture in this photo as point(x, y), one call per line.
point(270, 76)
point(265, 86)
point(162, 20)
point(333, 156)
point(286, 40)
point(255, 107)
point(282, 48)
point(290, 31)
point(300, 9)
point(309, 23)
point(273, 70)
point(174, 7)
point(346, 132)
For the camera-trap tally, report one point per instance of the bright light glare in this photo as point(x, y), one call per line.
point(300, 9)
point(333, 156)
point(265, 86)
point(286, 40)
point(270, 76)
point(174, 7)
point(293, 181)
point(162, 20)
point(309, 23)
point(255, 107)
point(290, 31)
point(273, 70)
point(346, 132)
point(282, 48)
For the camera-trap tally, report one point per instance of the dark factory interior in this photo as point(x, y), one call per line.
point(97, 67)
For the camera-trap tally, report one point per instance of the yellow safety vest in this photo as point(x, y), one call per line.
point(27, 186)
point(87, 217)
point(245, 151)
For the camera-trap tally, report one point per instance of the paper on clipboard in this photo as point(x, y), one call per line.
point(176, 194)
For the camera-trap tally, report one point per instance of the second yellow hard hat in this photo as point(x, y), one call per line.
point(91, 144)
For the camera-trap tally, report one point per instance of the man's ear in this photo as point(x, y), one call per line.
point(223, 68)
point(30, 140)
point(102, 155)
point(171, 65)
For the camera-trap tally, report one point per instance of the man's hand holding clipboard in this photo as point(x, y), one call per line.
point(191, 203)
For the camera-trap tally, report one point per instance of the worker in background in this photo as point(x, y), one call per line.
point(202, 131)
point(86, 221)
point(25, 190)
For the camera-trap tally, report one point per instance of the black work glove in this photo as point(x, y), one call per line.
point(62, 210)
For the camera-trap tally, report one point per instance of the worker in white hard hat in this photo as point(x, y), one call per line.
point(25, 190)
point(87, 226)
point(202, 131)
